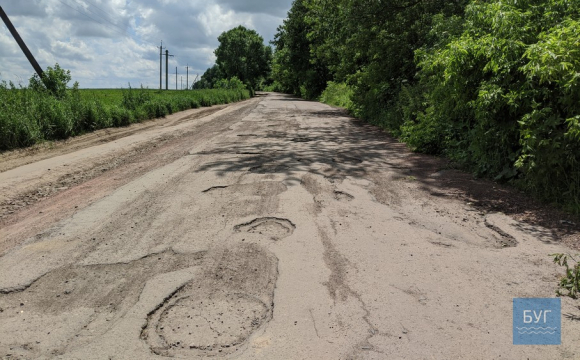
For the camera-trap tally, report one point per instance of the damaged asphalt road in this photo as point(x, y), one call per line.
point(273, 228)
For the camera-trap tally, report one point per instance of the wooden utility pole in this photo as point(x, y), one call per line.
point(187, 78)
point(21, 43)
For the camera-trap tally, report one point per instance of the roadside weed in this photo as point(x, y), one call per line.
point(570, 283)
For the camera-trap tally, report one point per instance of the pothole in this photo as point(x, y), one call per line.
point(275, 228)
point(342, 196)
point(264, 189)
point(217, 312)
point(208, 326)
point(83, 299)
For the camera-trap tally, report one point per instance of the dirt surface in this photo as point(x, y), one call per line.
point(273, 228)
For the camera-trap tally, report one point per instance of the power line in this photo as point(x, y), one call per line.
point(103, 11)
point(80, 12)
point(101, 16)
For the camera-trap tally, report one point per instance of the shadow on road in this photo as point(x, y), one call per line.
point(351, 147)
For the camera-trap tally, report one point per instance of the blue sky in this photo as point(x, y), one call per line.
point(111, 43)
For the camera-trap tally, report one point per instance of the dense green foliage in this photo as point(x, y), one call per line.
point(502, 97)
point(55, 81)
point(337, 95)
point(231, 84)
point(241, 55)
point(369, 44)
point(47, 110)
point(294, 67)
point(209, 78)
point(493, 85)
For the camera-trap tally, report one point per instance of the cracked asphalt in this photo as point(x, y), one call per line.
point(273, 228)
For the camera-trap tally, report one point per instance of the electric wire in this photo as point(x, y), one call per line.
point(84, 2)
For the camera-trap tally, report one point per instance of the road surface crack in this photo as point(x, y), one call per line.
point(507, 240)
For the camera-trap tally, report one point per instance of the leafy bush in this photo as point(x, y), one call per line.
point(275, 86)
point(570, 282)
point(230, 84)
point(550, 129)
point(337, 94)
point(503, 96)
point(120, 116)
point(54, 80)
point(133, 99)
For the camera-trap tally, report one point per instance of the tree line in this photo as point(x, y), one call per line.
point(492, 85)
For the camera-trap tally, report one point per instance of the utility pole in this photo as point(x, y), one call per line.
point(21, 43)
point(167, 69)
point(176, 78)
point(181, 82)
point(187, 78)
point(161, 66)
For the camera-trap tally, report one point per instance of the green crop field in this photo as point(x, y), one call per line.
point(107, 96)
point(32, 115)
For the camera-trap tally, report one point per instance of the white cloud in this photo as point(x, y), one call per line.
point(74, 50)
point(215, 20)
point(109, 43)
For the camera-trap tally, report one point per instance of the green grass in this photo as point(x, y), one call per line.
point(105, 96)
point(28, 116)
point(115, 96)
point(337, 94)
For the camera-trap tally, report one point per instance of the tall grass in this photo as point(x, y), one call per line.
point(337, 94)
point(29, 115)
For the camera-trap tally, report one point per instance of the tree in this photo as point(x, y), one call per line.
point(493, 85)
point(242, 54)
point(209, 78)
point(295, 67)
